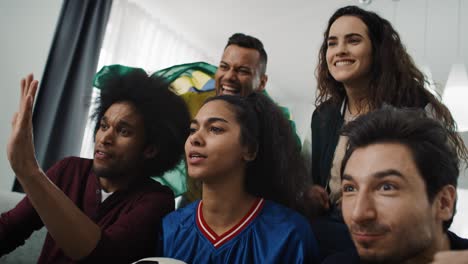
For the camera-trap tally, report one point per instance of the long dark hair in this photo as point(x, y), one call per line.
point(394, 77)
point(277, 173)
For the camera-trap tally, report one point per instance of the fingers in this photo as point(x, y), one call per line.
point(26, 84)
point(31, 94)
point(28, 92)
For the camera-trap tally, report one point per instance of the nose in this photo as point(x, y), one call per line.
point(364, 208)
point(106, 137)
point(196, 139)
point(341, 49)
point(230, 74)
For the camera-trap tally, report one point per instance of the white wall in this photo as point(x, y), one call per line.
point(27, 28)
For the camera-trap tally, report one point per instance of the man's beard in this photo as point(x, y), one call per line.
point(405, 250)
point(108, 173)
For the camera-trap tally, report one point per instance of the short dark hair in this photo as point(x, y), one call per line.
point(427, 139)
point(277, 173)
point(246, 41)
point(165, 115)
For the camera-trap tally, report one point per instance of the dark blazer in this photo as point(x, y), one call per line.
point(326, 124)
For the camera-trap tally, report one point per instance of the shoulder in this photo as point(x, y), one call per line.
point(73, 162)
point(181, 217)
point(279, 213)
point(328, 106)
point(285, 224)
point(153, 186)
point(70, 169)
point(153, 195)
point(287, 220)
point(456, 242)
point(326, 110)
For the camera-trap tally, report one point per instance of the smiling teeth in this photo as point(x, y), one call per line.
point(342, 63)
point(229, 89)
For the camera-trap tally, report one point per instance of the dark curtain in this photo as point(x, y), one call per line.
point(62, 104)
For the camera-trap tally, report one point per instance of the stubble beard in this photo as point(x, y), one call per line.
point(404, 248)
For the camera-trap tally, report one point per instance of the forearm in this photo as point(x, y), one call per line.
point(17, 224)
point(74, 232)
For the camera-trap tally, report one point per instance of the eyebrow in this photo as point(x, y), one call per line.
point(346, 36)
point(121, 122)
point(378, 175)
point(210, 120)
point(125, 123)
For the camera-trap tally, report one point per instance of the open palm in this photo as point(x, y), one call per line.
point(20, 149)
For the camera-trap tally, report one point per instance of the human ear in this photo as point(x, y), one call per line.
point(263, 82)
point(150, 152)
point(445, 200)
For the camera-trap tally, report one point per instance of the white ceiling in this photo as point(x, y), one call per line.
point(292, 32)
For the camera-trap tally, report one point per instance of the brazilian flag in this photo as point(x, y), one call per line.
point(194, 82)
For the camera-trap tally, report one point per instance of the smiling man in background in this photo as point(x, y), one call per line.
point(242, 69)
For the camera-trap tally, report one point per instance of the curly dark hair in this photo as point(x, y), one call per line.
point(436, 160)
point(278, 171)
point(165, 115)
point(246, 41)
point(394, 77)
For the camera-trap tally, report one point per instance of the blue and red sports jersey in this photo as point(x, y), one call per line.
point(269, 233)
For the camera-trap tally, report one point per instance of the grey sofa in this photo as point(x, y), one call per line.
point(29, 252)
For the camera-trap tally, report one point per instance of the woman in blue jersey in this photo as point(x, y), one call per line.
point(244, 153)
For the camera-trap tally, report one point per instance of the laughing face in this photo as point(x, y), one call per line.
point(239, 72)
point(120, 140)
point(213, 149)
point(349, 51)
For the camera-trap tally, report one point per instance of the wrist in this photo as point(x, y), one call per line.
point(27, 170)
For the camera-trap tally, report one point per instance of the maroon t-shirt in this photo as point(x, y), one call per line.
point(129, 219)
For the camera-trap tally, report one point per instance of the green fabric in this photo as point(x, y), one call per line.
point(174, 72)
point(175, 179)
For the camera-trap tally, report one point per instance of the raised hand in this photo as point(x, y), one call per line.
point(20, 149)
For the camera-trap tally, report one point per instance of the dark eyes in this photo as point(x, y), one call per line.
point(213, 129)
point(348, 188)
point(216, 130)
point(103, 126)
point(331, 44)
point(244, 71)
point(387, 187)
point(124, 131)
